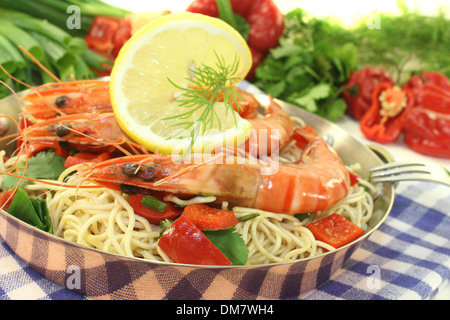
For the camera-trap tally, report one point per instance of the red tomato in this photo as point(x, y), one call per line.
point(153, 216)
point(183, 242)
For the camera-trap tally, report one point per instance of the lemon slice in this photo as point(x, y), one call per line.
point(169, 48)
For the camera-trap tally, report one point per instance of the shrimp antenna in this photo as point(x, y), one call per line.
point(14, 78)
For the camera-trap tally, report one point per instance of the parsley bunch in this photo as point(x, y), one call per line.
point(307, 69)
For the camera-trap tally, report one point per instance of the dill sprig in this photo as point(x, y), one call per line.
point(207, 85)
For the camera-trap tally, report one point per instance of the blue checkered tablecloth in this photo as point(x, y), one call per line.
point(408, 257)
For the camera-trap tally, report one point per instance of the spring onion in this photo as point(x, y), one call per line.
point(62, 53)
point(153, 203)
point(57, 11)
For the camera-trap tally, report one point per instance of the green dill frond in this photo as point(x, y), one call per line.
point(207, 85)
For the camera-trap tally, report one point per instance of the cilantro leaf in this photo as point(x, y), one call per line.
point(45, 165)
point(308, 67)
point(309, 98)
point(33, 211)
point(230, 243)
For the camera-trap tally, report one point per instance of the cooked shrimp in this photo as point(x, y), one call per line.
point(66, 98)
point(316, 182)
point(84, 131)
point(270, 133)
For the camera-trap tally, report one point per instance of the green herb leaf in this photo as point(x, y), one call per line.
point(303, 216)
point(309, 98)
point(230, 243)
point(31, 210)
point(45, 165)
point(308, 67)
point(164, 224)
point(208, 85)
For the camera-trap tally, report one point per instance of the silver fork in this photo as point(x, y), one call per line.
point(410, 171)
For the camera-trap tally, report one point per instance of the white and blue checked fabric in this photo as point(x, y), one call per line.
point(408, 257)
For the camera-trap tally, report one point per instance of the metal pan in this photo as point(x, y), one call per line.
point(102, 275)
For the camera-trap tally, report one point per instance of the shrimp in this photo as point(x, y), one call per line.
point(65, 98)
point(95, 132)
point(270, 132)
point(316, 182)
point(62, 98)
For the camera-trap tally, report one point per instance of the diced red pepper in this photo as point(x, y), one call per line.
point(183, 242)
point(34, 147)
point(205, 217)
point(153, 216)
point(335, 230)
point(383, 122)
point(83, 157)
point(6, 199)
point(354, 178)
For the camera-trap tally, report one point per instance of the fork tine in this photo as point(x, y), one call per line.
point(397, 164)
point(410, 171)
point(398, 170)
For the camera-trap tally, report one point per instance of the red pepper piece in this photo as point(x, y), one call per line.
point(153, 216)
point(428, 132)
point(335, 230)
point(431, 90)
point(354, 178)
point(434, 78)
point(6, 199)
point(361, 84)
point(382, 123)
point(266, 25)
point(83, 157)
point(183, 242)
point(107, 35)
point(207, 218)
